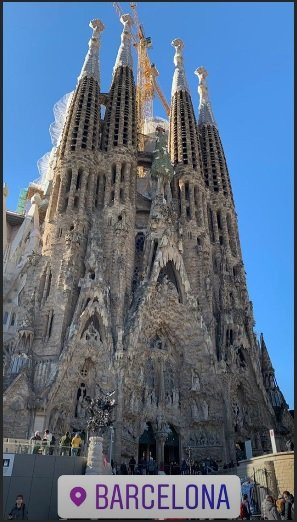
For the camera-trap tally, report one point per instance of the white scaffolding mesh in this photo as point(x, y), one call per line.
point(60, 110)
point(151, 124)
point(46, 162)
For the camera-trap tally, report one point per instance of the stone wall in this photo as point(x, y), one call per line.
point(281, 465)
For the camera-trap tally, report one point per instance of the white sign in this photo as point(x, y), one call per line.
point(8, 460)
point(273, 443)
point(248, 449)
point(148, 496)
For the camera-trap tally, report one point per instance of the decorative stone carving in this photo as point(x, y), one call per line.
point(195, 410)
point(95, 463)
point(195, 381)
point(204, 407)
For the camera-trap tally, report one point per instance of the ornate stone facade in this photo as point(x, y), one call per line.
point(140, 293)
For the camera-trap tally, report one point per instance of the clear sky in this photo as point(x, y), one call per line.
point(247, 48)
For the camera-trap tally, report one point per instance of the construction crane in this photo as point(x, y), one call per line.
point(147, 85)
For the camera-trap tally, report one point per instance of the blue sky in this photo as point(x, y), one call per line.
point(247, 48)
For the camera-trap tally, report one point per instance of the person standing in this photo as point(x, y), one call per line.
point(65, 443)
point(184, 467)
point(75, 445)
point(123, 469)
point(280, 506)
point(245, 512)
point(132, 464)
point(269, 511)
point(142, 466)
point(19, 511)
point(289, 505)
point(36, 441)
point(46, 441)
point(151, 466)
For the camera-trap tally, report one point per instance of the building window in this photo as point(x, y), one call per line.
point(51, 326)
point(5, 317)
point(12, 320)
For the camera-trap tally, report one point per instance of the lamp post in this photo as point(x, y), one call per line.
point(189, 459)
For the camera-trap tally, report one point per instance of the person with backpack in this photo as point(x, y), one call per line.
point(19, 511)
point(65, 444)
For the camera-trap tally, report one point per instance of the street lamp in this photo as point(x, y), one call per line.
point(189, 459)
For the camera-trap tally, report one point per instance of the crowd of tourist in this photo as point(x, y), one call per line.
point(271, 508)
point(71, 444)
point(150, 467)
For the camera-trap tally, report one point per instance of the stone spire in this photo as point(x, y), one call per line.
point(81, 128)
point(124, 56)
point(215, 170)
point(120, 117)
point(90, 67)
point(265, 359)
point(205, 110)
point(183, 136)
point(179, 82)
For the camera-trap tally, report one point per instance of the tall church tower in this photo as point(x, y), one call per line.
point(137, 284)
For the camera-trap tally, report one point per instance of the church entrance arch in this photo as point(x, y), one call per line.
point(147, 444)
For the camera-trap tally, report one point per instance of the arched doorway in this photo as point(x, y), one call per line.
point(147, 444)
point(171, 448)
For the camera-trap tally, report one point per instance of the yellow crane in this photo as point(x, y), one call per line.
point(147, 85)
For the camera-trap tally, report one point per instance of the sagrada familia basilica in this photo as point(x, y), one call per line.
point(124, 273)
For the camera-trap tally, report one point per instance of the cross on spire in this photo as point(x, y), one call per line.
point(179, 82)
point(124, 56)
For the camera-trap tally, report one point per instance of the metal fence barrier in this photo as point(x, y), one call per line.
point(36, 447)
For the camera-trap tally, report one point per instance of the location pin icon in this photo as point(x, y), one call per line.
point(78, 495)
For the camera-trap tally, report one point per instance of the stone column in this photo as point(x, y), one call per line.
point(72, 189)
point(35, 234)
point(118, 416)
point(182, 200)
point(127, 181)
point(200, 209)
point(82, 193)
point(215, 225)
point(107, 188)
point(117, 182)
point(192, 201)
point(91, 190)
point(160, 443)
point(61, 194)
point(224, 228)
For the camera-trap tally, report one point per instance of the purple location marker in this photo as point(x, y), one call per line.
point(78, 495)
